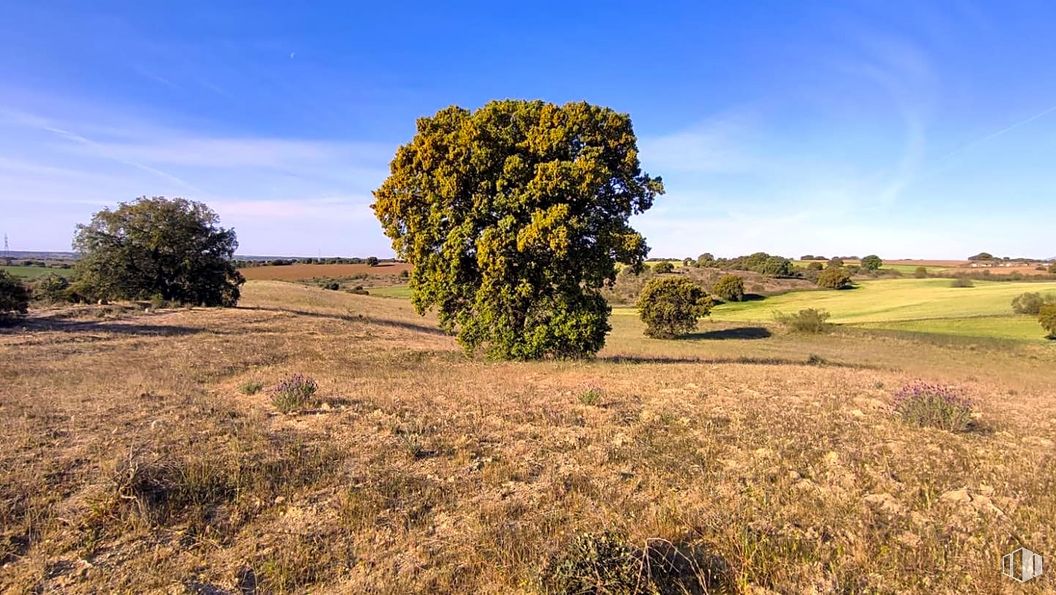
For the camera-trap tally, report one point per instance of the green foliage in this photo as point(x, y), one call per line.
point(1031, 303)
point(14, 296)
point(815, 266)
point(1052, 268)
point(834, 278)
point(809, 320)
point(515, 216)
point(670, 306)
point(982, 256)
point(52, 288)
point(663, 267)
point(872, 263)
point(1047, 318)
point(920, 273)
point(372, 261)
point(688, 262)
point(759, 262)
point(170, 247)
point(962, 282)
point(706, 260)
point(250, 387)
point(835, 263)
point(729, 288)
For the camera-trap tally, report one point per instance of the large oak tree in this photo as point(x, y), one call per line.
point(158, 247)
point(514, 216)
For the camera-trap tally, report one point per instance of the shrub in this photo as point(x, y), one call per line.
point(373, 261)
point(52, 288)
point(920, 273)
point(962, 282)
point(809, 320)
point(834, 278)
point(670, 306)
point(729, 288)
point(606, 563)
point(1047, 318)
point(14, 296)
point(835, 263)
point(251, 387)
point(872, 263)
point(1052, 268)
point(1029, 303)
point(294, 393)
point(591, 396)
point(815, 266)
point(332, 286)
point(931, 405)
point(404, 274)
point(706, 260)
point(663, 267)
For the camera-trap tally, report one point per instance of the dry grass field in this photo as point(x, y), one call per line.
point(301, 272)
point(740, 459)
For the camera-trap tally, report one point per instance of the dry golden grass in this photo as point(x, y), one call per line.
point(133, 462)
point(301, 272)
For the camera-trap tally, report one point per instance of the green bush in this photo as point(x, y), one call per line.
point(962, 282)
point(591, 396)
point(920, 273)
point(729, 288)
point(809, 320)
point(52, 288)
point(670, 306)
point(663, 267)
point(872, 263)
point(14, 296)
point(373, 261)
point(834, 278)
point(1031, 303)
point(815, 266)
point(835, 263)
point(250, 387)
point(1047, 318)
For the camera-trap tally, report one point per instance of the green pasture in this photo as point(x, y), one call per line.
point(393, 291)
point(30, 273)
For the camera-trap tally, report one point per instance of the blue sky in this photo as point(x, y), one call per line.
point(908, 129)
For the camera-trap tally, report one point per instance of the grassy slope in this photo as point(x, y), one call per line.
point(35, 272)
point(426, 472)
point(921, 305)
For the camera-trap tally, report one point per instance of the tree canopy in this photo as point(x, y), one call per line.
point(872, 262)
point(671, 306)
point(834, 278)
point(158, 247)
point(514, 216)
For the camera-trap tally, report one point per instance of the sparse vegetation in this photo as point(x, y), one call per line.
point(251, 387)
point(671, 306)
point(936, 406)
point(294, 393)
point(729, 288)
point(809, 320)
point(590, 396)
point(962, 282)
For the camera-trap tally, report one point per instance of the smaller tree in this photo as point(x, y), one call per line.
point(834, 278)
point(729, 288)
point(982, 256)
point(1052, 268)
point(1030, 303)
point(1047, 318)
point(14, 297)
point(670, 306)
point(815, 266)
point(688, 262)
point(872, 263)
point(706, 260)
point(372, 261)
point(835, 263)
point(920, 273)
point(663, 267)
point(52, 288)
